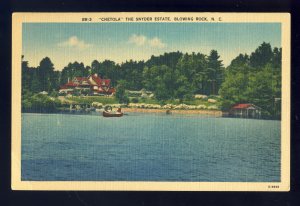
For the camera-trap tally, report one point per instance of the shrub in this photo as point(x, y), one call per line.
point(125, 100)
point(134, 100)
point(54, 93)
point(40, 103)
point(212, 107)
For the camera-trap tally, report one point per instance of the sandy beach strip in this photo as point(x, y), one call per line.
point(216, 113)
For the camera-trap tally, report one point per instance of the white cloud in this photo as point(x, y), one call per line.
point(138, 40)
point(156, 42)
point(74, 42)
point(141, 40)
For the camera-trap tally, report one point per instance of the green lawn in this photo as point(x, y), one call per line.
point(147, 101)
point(113, 100)
point(176, 102)
point(89, 100)
point(198, 102)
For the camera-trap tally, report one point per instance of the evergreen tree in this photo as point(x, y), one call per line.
point(262, 55)
point(46, 75)
point(132, 72)
point(120, 93)
point(168, 59)
point(35, 84)
point(277, 58)
point(214, 72)
point(26, 76)
point(74, 69)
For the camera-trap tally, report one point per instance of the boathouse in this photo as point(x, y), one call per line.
point(245, 111)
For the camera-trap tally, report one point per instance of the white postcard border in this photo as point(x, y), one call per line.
point(17, 184)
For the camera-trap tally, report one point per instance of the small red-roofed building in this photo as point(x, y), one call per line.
point(245, 110)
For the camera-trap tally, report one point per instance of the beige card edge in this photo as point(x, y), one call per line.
point(17, 184)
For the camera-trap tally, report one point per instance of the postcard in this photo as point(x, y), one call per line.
point(151, 101)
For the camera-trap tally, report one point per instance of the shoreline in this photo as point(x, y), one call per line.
point(216, 113)
point(212, 113)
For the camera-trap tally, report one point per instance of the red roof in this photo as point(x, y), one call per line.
point(242, 106)
point(99, 81)
point(81, 79)
point(107, 81)
point(70, 84)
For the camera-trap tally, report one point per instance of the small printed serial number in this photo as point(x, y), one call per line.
point(273, 186)
point(86, 19)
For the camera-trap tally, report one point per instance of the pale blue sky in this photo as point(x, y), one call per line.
point(85, 42)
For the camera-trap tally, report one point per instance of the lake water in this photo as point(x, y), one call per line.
point(149, 147)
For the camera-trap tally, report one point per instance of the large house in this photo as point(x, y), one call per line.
point(91, 85)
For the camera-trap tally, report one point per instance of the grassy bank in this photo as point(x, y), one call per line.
point(175, 101)
point(45, 103)
point(215, 113)
point(113, 100)
point(91, 99)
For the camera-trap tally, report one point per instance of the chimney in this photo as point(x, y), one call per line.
point(68, 79)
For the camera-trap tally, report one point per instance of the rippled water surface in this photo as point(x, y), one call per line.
point(149, 147)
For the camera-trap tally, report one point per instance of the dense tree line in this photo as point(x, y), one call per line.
point(41, 78)
point(254, 78)
point(171, 75)
point(191, 74)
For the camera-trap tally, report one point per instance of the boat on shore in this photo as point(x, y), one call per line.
point(109, 113)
